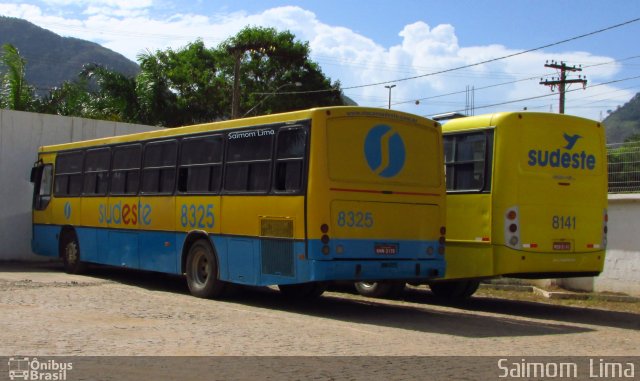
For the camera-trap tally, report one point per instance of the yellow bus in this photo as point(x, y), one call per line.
point(526, 198)
point(295, 200)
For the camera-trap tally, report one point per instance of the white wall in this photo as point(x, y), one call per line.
point(622, 263)
point(21, 133)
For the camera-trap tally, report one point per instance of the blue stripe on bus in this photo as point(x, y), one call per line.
point(248, 260)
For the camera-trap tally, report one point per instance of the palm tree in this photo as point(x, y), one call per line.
point(116, 99)
point(15, 93)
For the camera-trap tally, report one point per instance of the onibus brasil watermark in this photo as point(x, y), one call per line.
point(596, 368)
point(25, 368)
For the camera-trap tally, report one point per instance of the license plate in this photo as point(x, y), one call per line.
point(386, 249)
point(564, 246)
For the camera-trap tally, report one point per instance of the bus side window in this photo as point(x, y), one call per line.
point(159, 167)
point(96, 171)
point(43, 191)
point(201, 164)
point(125, 172)
point(248, 162)
point(290, 153)
point(468, 161)
point(68, 177)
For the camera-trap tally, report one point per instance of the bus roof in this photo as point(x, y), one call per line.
point(291, 117)
point(495, 119)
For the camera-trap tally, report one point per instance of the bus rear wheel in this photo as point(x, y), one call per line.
point(202, 271)
point(71, 254)
point(454, 290)
point(386, 289)
point(303, 290)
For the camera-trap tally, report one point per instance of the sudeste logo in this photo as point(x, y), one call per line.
point(384, 150)
point(563, 157)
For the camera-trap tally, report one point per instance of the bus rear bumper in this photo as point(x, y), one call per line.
point(375, 270)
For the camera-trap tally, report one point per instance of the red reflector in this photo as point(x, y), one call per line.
point(589, 246)
point(534, 245)
point(485, 239)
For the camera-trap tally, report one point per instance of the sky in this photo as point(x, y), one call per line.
point(429, 53)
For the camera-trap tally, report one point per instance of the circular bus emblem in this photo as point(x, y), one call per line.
point(384, 151)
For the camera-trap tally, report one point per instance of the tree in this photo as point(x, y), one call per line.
point(194, 84)
point(70, 99)
point(270, 60)
point(182, 86)
point(15, 93)
point(116, 97)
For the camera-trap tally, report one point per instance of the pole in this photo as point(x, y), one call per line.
point(562, 82)
point(235, 98)
point(390, 87)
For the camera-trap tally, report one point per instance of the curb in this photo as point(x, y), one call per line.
point(567, 295)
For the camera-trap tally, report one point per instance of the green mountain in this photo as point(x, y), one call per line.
point(52, 59)
point(624, 122)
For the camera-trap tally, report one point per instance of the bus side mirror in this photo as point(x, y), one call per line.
point(35, 173)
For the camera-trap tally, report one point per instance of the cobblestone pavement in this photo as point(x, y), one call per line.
point(120, 312)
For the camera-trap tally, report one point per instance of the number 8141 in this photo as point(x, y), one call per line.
point(564, 222)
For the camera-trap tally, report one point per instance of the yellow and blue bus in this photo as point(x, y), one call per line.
point(295, 200)
point(526, 198)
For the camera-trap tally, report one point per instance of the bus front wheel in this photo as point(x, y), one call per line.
point(380, 289)
point(202, 271)
point(454, 290)
point(71, 254)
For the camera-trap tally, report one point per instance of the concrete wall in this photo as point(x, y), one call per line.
point(621, 272)
point(622, 263)
point(21, 133)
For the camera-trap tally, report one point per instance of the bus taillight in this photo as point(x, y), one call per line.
point(511, 228)
point(324, 228)
point(442, 240)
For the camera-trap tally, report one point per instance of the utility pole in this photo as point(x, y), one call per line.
point(562, 81)
point(390, 87)
point(235, 97)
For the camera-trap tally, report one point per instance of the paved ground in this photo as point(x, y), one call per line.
point(45, 312)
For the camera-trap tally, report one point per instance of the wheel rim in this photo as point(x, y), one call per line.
point(71, 252)
point(367, 284)
point(201, 268)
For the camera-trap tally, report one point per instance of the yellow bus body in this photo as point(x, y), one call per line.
point(535, 205)
point(369, 208)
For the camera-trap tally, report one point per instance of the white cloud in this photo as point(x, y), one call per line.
point(132, 26)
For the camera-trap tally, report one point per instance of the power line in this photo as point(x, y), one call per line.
point(545, 95)
point(477, 63)
point(501, 58)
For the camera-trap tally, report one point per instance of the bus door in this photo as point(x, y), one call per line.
point(43, 240)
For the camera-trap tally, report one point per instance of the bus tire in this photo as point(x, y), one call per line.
point(202, 271)
point(388, 289)
point(309, 290)
point(454, 290)
point(70, 252)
